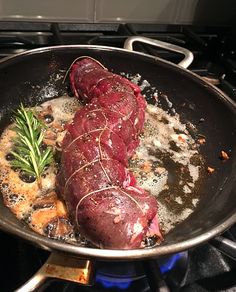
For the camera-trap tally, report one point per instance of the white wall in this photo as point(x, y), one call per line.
point(158, 11)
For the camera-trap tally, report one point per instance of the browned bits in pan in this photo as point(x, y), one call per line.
point(168, 199)
point(45, 114)
point(210, 169)
point(181, 139)
point(223, 155)
point(134, 157)
point(201, 141)
point(49, 216)
point(147, 166)
point(159, 170)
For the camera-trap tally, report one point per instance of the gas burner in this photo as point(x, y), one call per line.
point(167, 272)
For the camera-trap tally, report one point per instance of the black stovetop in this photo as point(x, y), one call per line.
point(214, 47)
point(201, 269)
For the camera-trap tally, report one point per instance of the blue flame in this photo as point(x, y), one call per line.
point(169, 263)
point(166, 265)
point(113, 283)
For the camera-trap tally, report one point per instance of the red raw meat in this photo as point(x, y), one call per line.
point(109, 209)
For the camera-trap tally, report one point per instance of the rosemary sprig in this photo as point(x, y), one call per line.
point(29, 155)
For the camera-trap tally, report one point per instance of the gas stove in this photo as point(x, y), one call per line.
point(203, 268)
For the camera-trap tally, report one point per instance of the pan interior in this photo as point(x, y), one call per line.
point(33, 78)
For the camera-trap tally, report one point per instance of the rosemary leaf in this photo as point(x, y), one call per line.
point(29, 156)
point(19, 159)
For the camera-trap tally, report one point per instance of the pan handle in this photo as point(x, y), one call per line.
point(188, 56)
point(61, 266)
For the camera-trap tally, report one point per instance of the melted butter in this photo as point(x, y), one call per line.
point(161, 164)
point(63, 108)
point(20, 196)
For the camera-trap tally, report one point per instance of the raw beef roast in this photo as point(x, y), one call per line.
point(107, 206)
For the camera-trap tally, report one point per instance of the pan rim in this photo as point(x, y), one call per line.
point(111, 254)
point(115, 254)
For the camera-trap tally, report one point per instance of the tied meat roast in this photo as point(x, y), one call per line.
point(103, 198)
